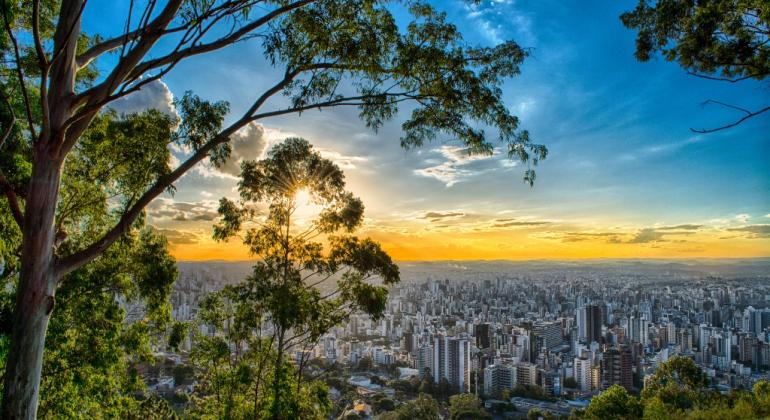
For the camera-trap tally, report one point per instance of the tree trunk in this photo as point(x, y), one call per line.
point(35, 294)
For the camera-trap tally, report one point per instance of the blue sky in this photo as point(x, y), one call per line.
point(622, 158)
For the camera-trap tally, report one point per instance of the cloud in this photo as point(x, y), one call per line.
point(177, 237)
point(567, 237)
point(519, 223)
point(450, 171)
point(248, 143)
point(153, 95)
point(180, 211)
point(345, 162)
point(754, 231)
point(680, 227)
point(436, 215)
point(743, 218)
point(646, 236)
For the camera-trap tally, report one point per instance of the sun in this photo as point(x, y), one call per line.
point(304, 207)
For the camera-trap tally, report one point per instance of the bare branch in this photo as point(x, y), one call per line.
point(725, 79)
point(19, 71)
point(219, 43)
point(749, 114)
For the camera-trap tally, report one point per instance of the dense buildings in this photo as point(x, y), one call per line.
point(567, 330)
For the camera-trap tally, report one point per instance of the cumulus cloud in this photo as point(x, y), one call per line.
point(248, 143)
point(153, 95)
point(180, 211)
point(754, 231)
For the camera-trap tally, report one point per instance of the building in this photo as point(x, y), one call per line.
point(451, 361)
point(616, 368)
point(589, 320)
point(483, 334)
point(497, 378)
point(526, 374)
point(581, 370)
point(549, 332)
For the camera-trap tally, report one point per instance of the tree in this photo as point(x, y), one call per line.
point(422, 408)
point(538, 414)
point(614, 403)
point(466, 407)
point(678, 383)
point(324, 281)
point(721, 40)
point(570, 382)
point(331, 53)
point(91, 341)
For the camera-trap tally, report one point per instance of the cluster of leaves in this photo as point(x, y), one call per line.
point(722, 40)
point(726, 38)
point(423, 407)
point(679, 389)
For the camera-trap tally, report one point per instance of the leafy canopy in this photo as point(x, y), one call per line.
point(723, 40)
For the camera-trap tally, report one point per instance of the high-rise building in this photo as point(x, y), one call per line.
point(526, 374)
point(498, 377)
point(550, 332)
point(616, 368)
point(425, 361)
point(451, 361)
point(589, 320)
point(581, 370)
point(483, 335)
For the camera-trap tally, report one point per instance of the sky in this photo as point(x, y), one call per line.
point(625, 176)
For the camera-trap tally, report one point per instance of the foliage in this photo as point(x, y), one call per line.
point(92, 339)
point(466, 407)
point(614, 403)
point(422, 408)
point(538, 414)
point(719, 39)
point(679, 390)
point(678, 382)
point(530, 391)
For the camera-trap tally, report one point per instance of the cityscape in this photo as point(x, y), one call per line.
point(558, 333)
point(385, 209)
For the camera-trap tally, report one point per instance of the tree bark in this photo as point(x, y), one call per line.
point(35, 295)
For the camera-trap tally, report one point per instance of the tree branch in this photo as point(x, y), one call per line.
point(749, 114)
point(19, 71)
point(219, 43)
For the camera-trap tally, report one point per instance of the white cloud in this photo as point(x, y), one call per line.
point(743, 217)
point(248, 143)
point(450, 171)
point(343, 161)
point(153, 95)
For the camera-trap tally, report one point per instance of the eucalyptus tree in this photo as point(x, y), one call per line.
point(91, 340)
point(720, 40)
point(311, 272)
point(59, 79)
